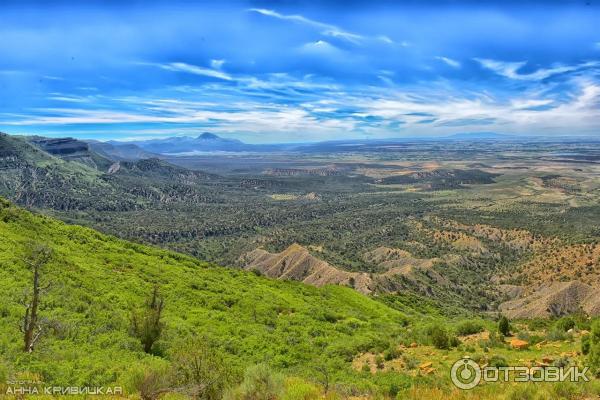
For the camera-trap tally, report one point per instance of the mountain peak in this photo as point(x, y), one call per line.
point(208, 136)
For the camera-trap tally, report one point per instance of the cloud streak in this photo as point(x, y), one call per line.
point(449, 61)
point(324, 28)
point(511, 69)
point(196, 70)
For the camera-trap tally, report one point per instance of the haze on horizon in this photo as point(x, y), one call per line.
point(264, 71)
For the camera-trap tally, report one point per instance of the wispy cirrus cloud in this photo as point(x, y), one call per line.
point(324, 28)
point(511, 69)
point(196, 70)
point(334, 112)
point(449, 61)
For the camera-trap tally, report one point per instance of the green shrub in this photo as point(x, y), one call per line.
point(496, 340)
point(566, 390)
point(149, 381)
point(523, 392)
point(391, 353)
point(538, 324)
point(438, 336)
point(594, 350)
point(199, 369)
point(478, 358)
point(469, 327)
point(585, 345)
point(298, 389)
point(558, 335)
point(453, 341)
point(4, 373)
point(562, 362)
point(564, 324)
point(532, 339)
point(260, 383)
point(410, 362)
point(497, 361)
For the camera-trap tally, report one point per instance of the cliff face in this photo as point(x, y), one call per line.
point(70, 149)
point(63, 147)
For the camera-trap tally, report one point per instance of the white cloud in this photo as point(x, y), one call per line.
point(217, 64)
point(385, 39)
point(70, 99)
point(580, 114)
point(529, 103)
point(510, 69)
point(449, 61)
point(324, 28)
point(196, 70)
point(320, 47)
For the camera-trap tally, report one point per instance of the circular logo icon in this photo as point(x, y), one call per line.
point(465, 374)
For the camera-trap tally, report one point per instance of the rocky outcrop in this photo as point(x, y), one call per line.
point(70, 149)
point(62, 147)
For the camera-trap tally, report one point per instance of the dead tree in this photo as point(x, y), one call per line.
point(324, 371)
point(32, 328)
point(146, 324)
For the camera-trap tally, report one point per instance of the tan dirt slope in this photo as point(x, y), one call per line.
point(555, 299)
point(297, 263)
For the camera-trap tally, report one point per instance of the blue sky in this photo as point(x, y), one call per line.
point(290, 71)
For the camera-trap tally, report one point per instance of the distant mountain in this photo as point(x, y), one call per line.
point(206, 142)
point(481, 136)
point(209, 142)
point(120, 151)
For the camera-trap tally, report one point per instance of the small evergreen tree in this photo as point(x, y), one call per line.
point(504, 326)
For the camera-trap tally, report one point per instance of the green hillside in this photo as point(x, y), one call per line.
point(96, 280)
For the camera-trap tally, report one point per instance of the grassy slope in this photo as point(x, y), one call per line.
point(97, 279)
